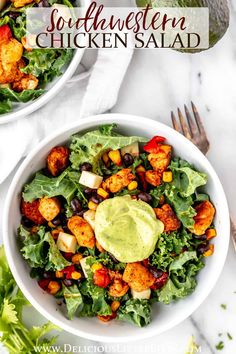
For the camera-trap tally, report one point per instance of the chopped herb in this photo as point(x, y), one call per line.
point(229, 336)
point(220, 345)
point(223, 306)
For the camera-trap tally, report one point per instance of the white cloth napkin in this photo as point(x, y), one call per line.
point(95, 93)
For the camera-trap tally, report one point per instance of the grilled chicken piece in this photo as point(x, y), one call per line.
point(21, 3)
point(138, 277)
point(58, 160)
point(82, 231)
point(118, 287)
point(153, 178)
point(160, 160)
point(31, 212)
point(203, 220)
point(168, 217)
point(119, 180)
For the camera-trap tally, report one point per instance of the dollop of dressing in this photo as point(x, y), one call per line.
point(127, 228)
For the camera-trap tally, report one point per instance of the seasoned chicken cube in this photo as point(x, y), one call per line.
point(118, 181)
point(8, 72)
point(160, 160)
point(58, 159)
point(21, 3)
point(203, 220)
point(27, 82)
point(31, 212)
point(82, 231)
point(11, 51)
point(138, 277)
point(10, 64)
point(153, 178)
point(168, 217)
point(118, 287)
point(49, 208)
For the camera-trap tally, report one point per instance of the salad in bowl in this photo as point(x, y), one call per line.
point(112, 224)
point(26, 73)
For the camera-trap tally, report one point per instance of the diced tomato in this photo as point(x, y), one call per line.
point(43, 283)
point(5, 34)
point(153, 145)
point(160, 282)
point(68, 271)
point(101, 278)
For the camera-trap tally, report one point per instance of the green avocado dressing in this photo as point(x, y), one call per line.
point(127, 228)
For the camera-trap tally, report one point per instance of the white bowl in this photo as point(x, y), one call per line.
point(21, 110)
point(164, 317)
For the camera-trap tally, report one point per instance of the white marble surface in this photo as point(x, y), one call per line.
point(157, 82)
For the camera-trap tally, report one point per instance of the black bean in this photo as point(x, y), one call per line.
point(202, 248)
point(56, 221)
point(88, 192)
point(80, 213)
point(76, 205)
point(48, 275)
point(201, 238)
point(65, 229)
point(128, 160)
point(86, 166)
point(157, 273)
point(96, 198)
point(26, 222)
point(68, 282)
point(13, 14)
point(145, 197)
point(63, 219)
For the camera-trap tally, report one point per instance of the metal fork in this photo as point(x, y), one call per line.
point(192, 128)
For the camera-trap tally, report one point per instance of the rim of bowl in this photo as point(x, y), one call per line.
point(48, 95)
point(89, 123)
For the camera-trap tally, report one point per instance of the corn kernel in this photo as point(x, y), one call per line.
point(209, 252)
point(102, 193)
point(115, 305)
point(105, 158)
point(92, 205)
point(76, 258)
point(167, 177)
point(59, 274)
point(76, 275)
point(211, 233)
point(50, 224)
point(115, 157)
point(132, 186)
point(53, 287)
point(96, 266)
point(140, 168)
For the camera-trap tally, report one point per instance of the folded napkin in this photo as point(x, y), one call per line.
point(87, 94)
